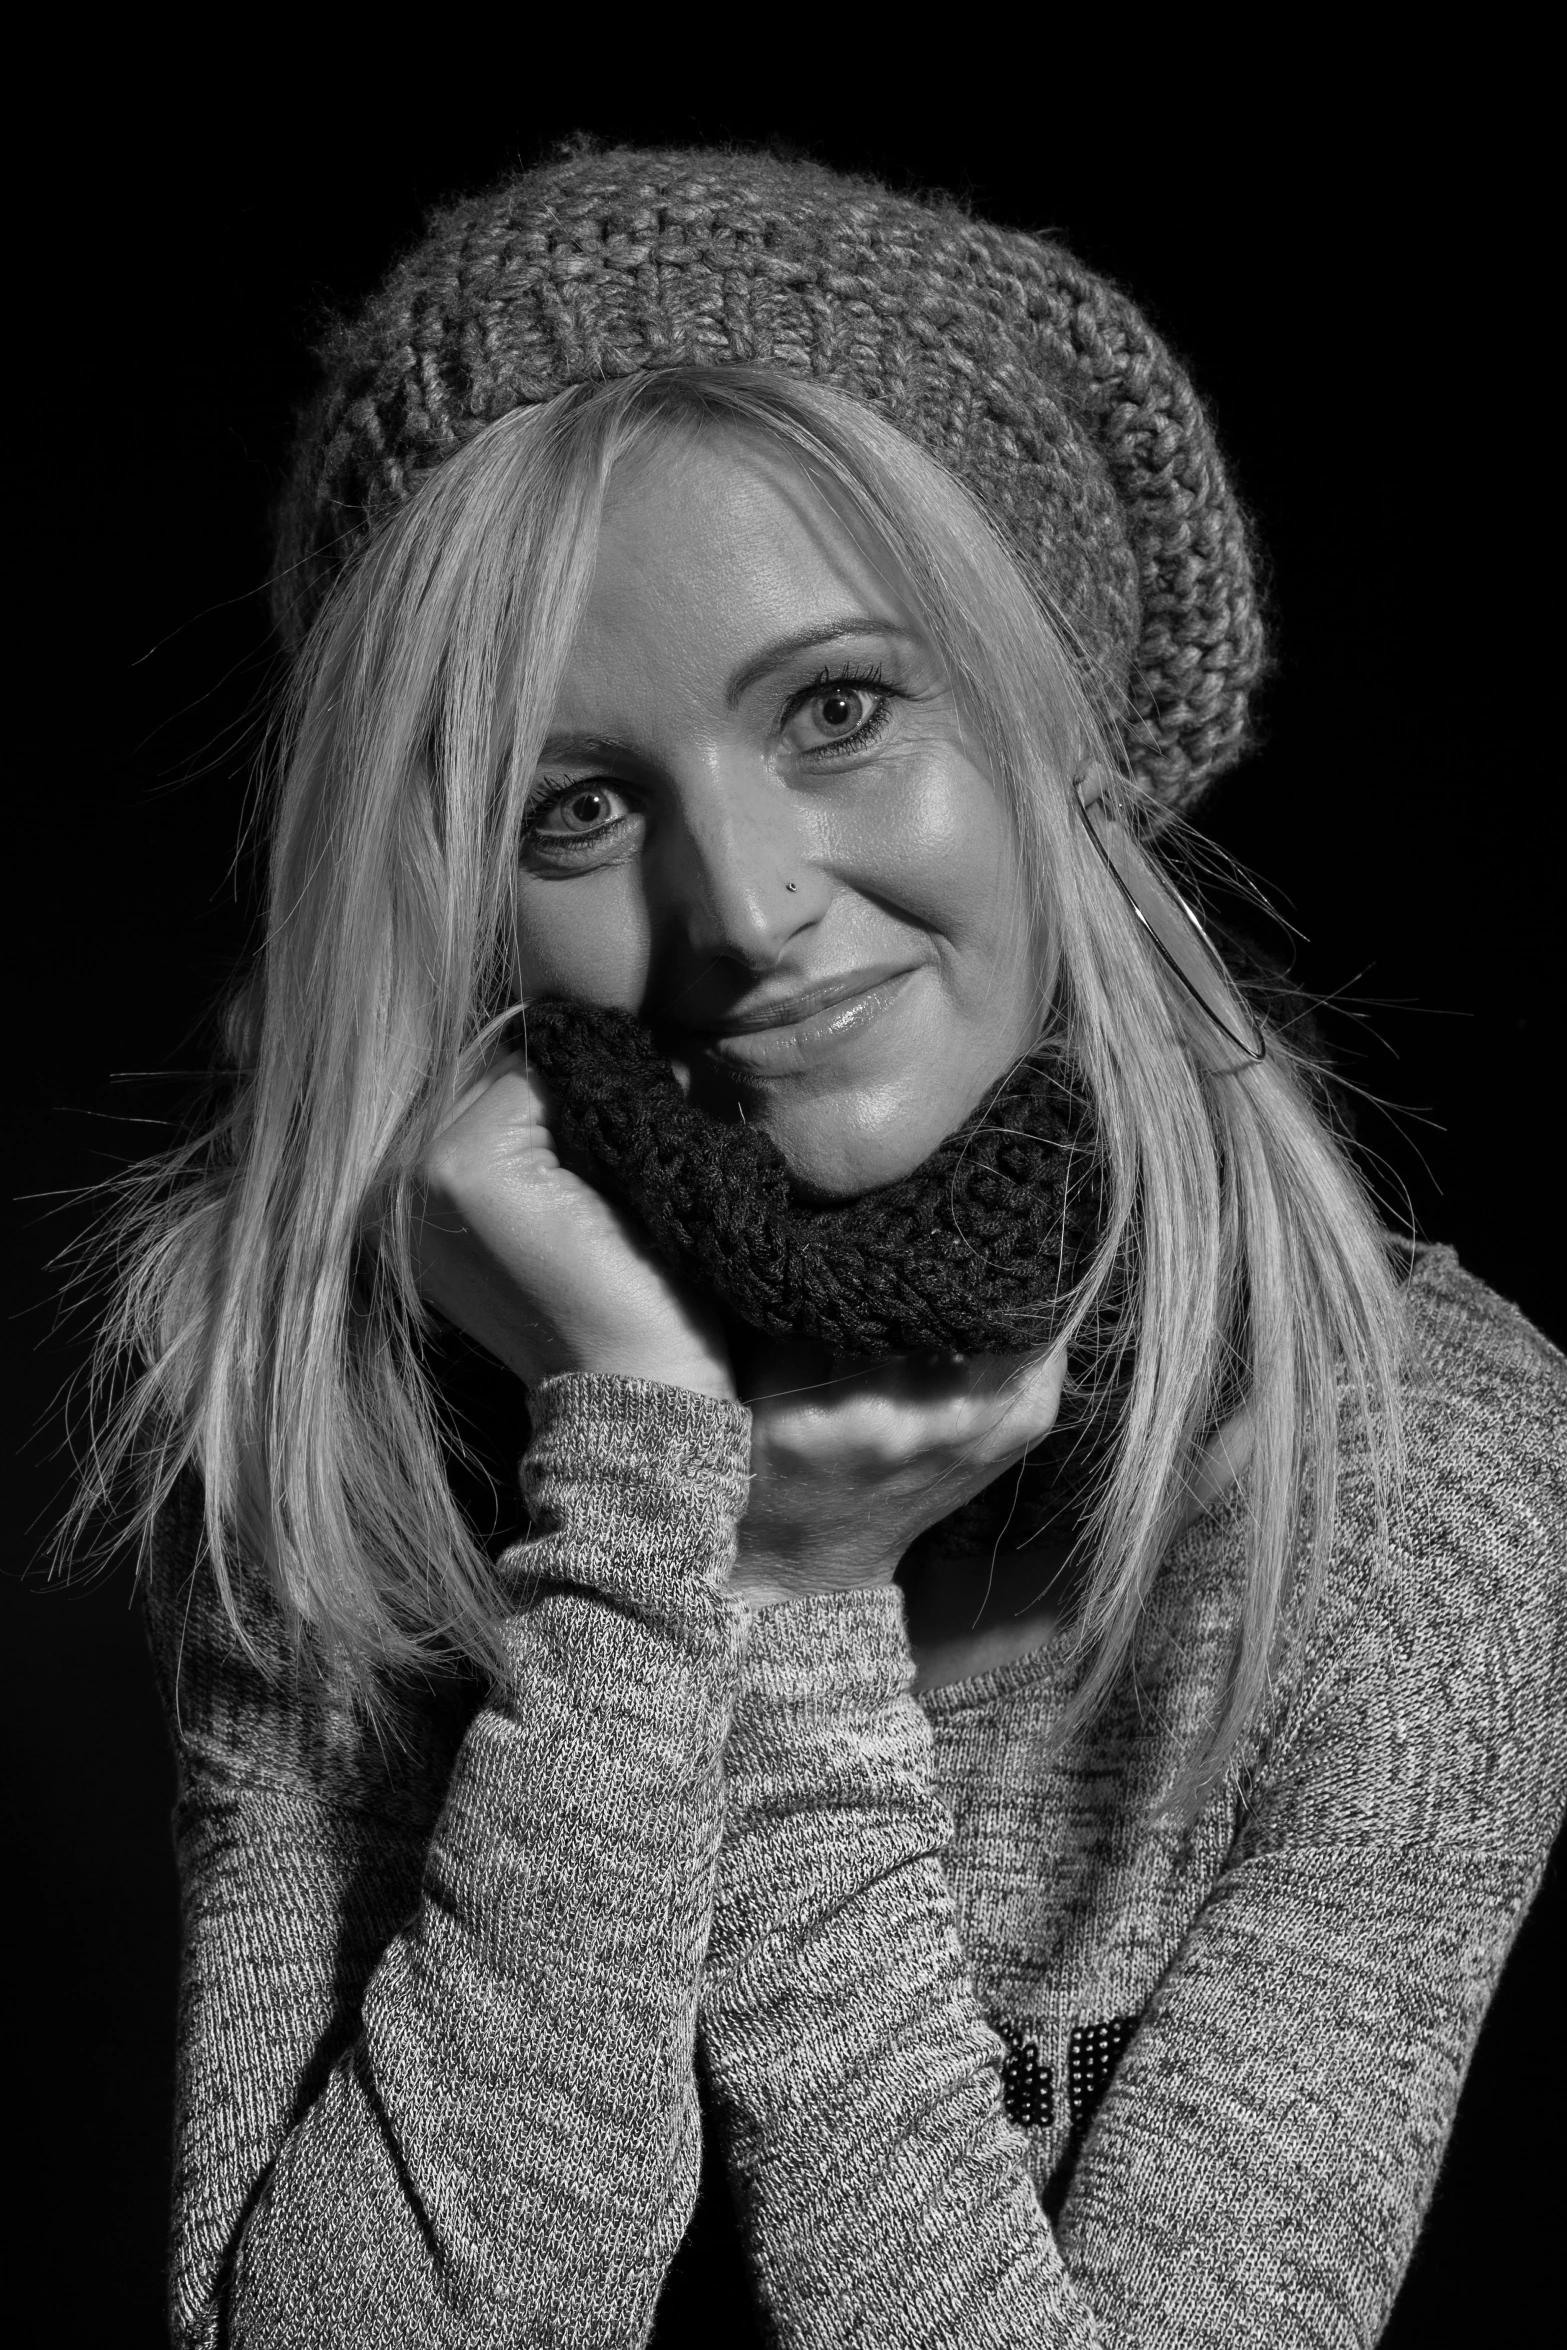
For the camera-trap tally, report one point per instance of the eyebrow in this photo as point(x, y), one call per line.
point(821, 632)
point(774, 656)
point(582, 746)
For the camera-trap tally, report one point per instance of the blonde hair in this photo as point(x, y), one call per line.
point(257, 1336)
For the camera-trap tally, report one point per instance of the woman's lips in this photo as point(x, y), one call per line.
point(801, 1044)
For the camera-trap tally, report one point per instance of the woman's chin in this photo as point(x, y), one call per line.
point(839, 1138)
point(839, 1148)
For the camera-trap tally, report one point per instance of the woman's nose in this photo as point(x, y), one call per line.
point(743, 877)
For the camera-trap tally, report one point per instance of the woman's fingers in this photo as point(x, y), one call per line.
point(496, 1065)
point(852, 1458)
point(949, 1409)
point(988, 1405)
point(1034, 1381)
point(529, 1257)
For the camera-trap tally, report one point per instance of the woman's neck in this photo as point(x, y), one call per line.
point(966, 1615)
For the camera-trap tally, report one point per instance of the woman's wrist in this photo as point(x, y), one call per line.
point(644, 1484)
point(695, 1377)
point(773, 1583)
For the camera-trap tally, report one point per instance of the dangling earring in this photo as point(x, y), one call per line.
point(1166, 918)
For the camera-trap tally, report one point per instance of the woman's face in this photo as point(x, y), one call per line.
point(749, 706)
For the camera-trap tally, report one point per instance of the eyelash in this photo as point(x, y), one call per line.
point(865, 680)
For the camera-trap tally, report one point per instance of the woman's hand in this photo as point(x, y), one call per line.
point(850, 1461)
point(538, 1266)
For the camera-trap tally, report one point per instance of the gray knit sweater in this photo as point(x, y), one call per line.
point(975, 2053)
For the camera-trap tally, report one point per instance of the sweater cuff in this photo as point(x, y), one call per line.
point(837, 1653)
point(633, 1488)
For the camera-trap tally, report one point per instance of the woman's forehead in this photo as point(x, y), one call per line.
point(717, 555)
point(727, 509)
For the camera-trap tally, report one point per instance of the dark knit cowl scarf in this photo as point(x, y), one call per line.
point(979, 1250)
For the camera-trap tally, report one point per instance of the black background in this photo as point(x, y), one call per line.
point(1338, 244)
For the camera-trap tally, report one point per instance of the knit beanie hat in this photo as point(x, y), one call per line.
point(1027, 376)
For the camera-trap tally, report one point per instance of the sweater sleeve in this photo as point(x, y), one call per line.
point(438, 2007)
point(1260, 2166)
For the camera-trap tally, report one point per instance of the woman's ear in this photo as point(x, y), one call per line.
point(1095, 789)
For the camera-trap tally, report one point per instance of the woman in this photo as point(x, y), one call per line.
point(1024, 1715)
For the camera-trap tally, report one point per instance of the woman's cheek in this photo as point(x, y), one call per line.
point(935, 840)
point(586, 936)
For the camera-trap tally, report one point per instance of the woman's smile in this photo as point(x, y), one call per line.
point(781, 1047)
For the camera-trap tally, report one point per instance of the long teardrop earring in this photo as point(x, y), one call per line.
point(1168, 921)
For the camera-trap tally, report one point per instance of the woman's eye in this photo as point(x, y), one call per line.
point(836, 714)
point(576, 812)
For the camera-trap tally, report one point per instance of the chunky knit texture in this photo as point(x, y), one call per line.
point(1034, 381)
point(977, 1250)
point(965, 2045)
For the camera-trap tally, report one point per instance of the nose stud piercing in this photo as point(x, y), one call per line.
point(791, 885)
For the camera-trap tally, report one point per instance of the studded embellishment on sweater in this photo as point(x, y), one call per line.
point(1028, 2085)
